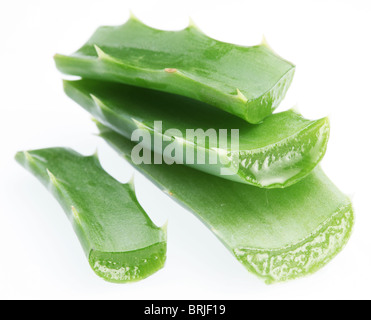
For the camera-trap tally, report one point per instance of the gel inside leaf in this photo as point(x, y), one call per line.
point(277, 153)
point(277, 234)
point(120, 241)
point(248, 82)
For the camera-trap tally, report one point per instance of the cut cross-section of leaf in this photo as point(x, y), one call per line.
point(277, 234)
point(248, 82)
point(120, 241)
point(274, 154)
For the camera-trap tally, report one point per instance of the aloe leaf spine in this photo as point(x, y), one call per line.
point(277, 153)
point(249, 82)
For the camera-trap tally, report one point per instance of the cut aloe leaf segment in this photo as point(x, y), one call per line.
point(277, 153)
point(248, 82)
point(120, 241)
point(277, 234)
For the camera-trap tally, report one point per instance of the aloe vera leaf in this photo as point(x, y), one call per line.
point(277, 234)
point(277, 153)
point(120, 241)
point(248, 82)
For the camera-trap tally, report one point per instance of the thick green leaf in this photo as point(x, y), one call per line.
point(119, 239)
point(249, 82)
point(277, 153)
point(278, 234)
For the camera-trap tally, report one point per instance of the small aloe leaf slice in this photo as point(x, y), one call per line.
point(120, 241)
point(277, 234)
point(275, 154)
point(248, 82)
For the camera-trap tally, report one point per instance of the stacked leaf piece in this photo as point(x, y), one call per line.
point(269, 202)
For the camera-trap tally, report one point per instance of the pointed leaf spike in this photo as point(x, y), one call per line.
point(99, 51)
point(95, 120)
point(241, 96)
point(119, 56)
point(164, 228)
point(192, 25)
point(103, 56)
point(95, 99)
point(95, 158)
point(96, 155)
point(76, 215)
point(133, 17)
point(131, 183)
point(295, 109)
point(99, 104)
point(28, 156)
point(52, 178)
point(264, 43)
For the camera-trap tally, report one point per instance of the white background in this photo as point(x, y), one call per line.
point(40, 256)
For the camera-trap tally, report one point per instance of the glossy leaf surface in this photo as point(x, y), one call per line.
point(120, 241)
point(277, 234)
point(248, 82)
point(276, 153)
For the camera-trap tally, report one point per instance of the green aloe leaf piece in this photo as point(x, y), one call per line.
point(277, 153)
point(277, 234)
point(120, 241)
point(248, 82)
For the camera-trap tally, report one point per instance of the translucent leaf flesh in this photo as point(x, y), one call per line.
point(248, 82)
point(120, 241)
point(277, 234)
point(274, 154)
